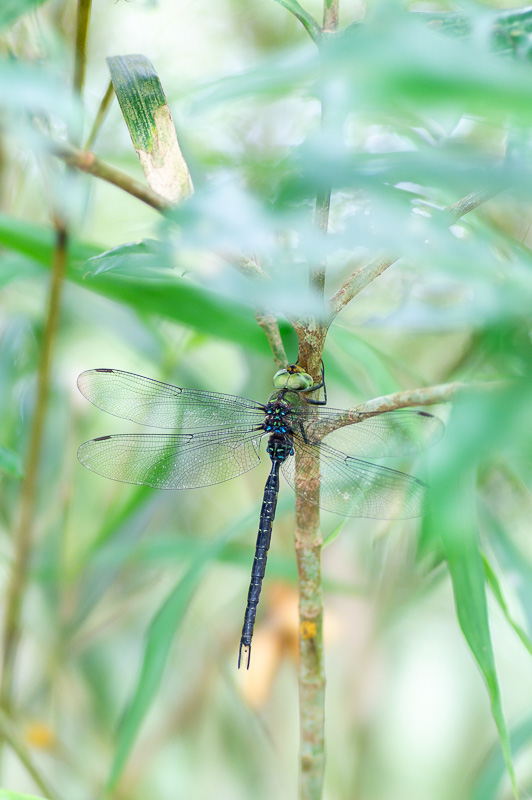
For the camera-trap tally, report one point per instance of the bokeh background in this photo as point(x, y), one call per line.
point(420, 112)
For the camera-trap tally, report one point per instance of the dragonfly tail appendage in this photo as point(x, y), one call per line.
point(246, 648)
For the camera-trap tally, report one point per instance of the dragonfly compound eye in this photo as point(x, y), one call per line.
point(297, 381)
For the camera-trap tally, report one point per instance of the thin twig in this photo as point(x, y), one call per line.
point(249, 267)
point(330, 16)
point(270, 326)
point(366, 274)
point(469, 203)
point(321, 223)
point(23, 540)
point(359, 279)
point(409, 398)
point(307, 20)
point(12, 737)
point(100, 115)
point(88, 162)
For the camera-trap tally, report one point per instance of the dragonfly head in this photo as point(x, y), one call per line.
point(293, 378)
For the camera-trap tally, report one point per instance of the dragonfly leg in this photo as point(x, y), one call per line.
point(317, 386)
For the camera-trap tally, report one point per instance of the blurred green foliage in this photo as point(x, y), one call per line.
point(420, 109)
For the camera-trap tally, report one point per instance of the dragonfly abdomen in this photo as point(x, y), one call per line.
point(279, 448)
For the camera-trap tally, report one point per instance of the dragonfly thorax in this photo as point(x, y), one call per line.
point(279, 447)
point(278, 423)
point(278, 418)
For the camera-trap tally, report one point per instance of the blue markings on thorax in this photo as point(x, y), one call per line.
point(277, 419)
point(277, 423)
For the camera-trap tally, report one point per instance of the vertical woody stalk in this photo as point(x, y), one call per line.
point(16, 589)
point(80, 59)
point(308, 539)
point(23, 541)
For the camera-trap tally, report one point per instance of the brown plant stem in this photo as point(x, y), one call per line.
point(308, 544)
point(426, 396)
point(268, 323)
point(22, 545)
point(331, 10)
point(88, 162)
point(311, 334)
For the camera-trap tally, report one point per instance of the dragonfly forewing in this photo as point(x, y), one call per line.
point(160, 405)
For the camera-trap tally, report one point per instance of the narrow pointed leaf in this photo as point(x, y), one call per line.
point(159, 640)
point(452, 517)
point(497, 593)
point(171, 297)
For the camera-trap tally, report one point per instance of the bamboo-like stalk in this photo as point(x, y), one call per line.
point(80, 61)
point(80, 53)
point(101, 114)
point(23, 539)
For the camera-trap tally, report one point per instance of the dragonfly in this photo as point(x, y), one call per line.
point(217, 437)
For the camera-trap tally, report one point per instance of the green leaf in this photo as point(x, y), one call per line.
point(509, 30)
point(11, 10)
point(421, 71)
point(458, 531)
point(160, 637)
point(150, 125)
point(488, 784)
point(497, 593)
point(306, 19)
point(131, 257)
point(512, 560)
point(172, 297)
point(10, 463)
point(452, 517)
point(334, 533)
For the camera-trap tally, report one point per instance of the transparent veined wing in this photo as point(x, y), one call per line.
point(394, 433)
point(162, 405)
point(352, 487)
point(172, 461)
